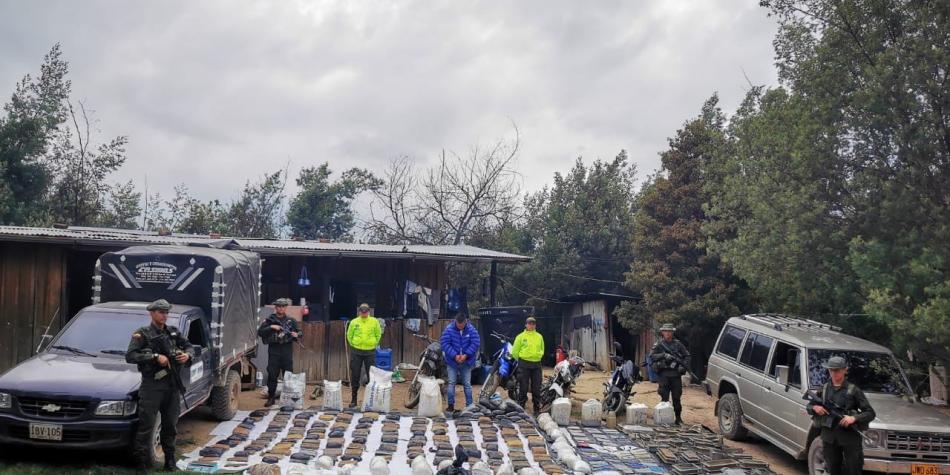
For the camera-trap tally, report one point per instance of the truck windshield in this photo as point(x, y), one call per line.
point(872, 372)
point(96, 333)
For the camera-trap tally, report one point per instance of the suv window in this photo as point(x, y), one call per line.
point(755, 353)
point(196, 333)
point(782, 357)
point(730, 341)
point(872, 372)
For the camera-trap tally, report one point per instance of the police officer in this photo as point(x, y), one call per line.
point(528, 349)
point(841, 444)
point(668, 359)
point(158, 350)
point(278, 331)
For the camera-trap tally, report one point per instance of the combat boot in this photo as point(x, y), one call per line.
point(170, 465)
point(270, 402)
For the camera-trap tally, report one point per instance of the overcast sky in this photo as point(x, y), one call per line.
point(213, 93)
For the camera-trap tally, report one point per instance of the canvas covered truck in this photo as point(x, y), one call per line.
point(79, 392)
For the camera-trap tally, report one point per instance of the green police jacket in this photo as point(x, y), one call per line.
point(364, 333)
point(529, 346)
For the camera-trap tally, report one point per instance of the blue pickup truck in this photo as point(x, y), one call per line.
point(80, 393)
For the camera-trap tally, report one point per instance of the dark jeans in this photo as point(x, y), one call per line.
point(842, 459)
point(671, 384)
point(529, 378)
point(359, 360)
point(156, 399)
point(278, 361)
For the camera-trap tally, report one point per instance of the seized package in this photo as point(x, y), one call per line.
point(332, 395)
point(291, 394)
point(379, 390)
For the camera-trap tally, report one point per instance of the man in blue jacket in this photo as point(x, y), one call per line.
point(460, 344)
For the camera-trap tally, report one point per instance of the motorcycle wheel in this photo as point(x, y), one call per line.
point(414, 387)
point(490, 385)
point(612, 402)
point(514, 390)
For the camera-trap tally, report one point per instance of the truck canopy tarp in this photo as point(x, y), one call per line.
point(186, 275)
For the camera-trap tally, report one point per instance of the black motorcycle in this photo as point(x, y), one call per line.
point(620, 387)
point(503, 373)
point(432, 364)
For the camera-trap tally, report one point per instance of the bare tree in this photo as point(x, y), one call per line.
point(444, 204)
point(82, 169)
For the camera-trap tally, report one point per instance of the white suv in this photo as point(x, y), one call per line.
point(763, 364)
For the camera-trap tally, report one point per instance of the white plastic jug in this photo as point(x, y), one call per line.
point(561, 411)
point(663, 414)
point(430, 397)
point(636, 414)
point(332, 395)
point(591, 413)
point(379, 390)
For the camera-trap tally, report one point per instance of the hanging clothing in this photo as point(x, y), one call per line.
point(424, 293)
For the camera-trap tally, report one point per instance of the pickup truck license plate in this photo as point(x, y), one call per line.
point(924, 469)
point(46, 431)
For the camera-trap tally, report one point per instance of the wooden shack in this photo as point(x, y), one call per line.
point(46, 278)
point(589, 326)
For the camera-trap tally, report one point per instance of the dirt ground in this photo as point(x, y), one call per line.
point(697, 409)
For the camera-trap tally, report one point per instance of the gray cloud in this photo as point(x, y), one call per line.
point(214, 93)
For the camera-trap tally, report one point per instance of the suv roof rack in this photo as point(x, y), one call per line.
point(781, 322)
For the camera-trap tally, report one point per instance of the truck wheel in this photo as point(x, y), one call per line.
point(155, 452)
point(224, 399)
point(816, 458)
point(730, 417)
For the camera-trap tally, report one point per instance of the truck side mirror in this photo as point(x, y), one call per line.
point(781, 374)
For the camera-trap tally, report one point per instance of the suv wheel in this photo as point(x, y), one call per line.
point(155, 452)
point(730, 417)
point(816, 458)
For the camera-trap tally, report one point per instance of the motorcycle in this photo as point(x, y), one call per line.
point(431, 364)
point(503, 372)
point(620, 387)
point(559, 385)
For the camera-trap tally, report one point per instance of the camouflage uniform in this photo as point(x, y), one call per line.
point(666, 358)
point(158, 393)
point(841, 446)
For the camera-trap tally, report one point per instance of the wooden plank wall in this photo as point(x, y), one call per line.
point(31, 291)
point(326, 354)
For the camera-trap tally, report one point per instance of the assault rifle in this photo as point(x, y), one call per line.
point(170, 352)
point(678, 361)
point(835, 413)
point(286, 329)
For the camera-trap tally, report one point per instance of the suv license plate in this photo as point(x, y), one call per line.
point(924, 469)
point(46, 431)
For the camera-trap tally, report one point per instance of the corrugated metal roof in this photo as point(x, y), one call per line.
point(85, 235)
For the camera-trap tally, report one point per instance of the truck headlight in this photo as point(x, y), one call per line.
point(6, 401)
point(116, 408)
point(874, 439)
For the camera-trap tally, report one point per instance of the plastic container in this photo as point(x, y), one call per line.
point(663, 414)
point(636, 414)
point(384, 358)
point(591, 413)
point(561, 411)
point(612, 420)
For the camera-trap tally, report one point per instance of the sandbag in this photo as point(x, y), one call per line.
point(325, 462)
point(591, 413)
point(378, 466)
point(420, 466)
point(332, 396)
point(505, 469)
point(663, 414)
point(481, 468)
point(293, 389)
point(379, 390)
point(430, 397)
point(636, 414)
point(561, 411)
